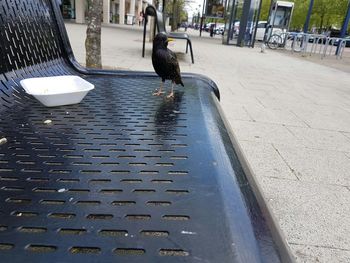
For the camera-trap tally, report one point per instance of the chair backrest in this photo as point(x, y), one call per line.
point(29, 34)
point(160, 22)
point(152, 11)
point(33, 43)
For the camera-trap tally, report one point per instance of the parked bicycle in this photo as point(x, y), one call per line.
point(277, 40)
point(308, 44)
point(286, 39)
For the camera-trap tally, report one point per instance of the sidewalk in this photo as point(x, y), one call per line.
point(291, 118)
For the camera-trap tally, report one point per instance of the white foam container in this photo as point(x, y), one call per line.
point(57, 91)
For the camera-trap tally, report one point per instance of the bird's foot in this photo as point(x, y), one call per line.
point(170, 96)
point(158, 93)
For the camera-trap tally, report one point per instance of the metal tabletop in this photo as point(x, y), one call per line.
point(126, 176)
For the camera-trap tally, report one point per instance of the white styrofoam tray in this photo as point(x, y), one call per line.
point(57, 91)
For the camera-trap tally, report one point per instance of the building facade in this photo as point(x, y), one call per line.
point(114, 11)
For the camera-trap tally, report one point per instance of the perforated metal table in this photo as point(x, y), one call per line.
point(123, 174)
point(121, 177)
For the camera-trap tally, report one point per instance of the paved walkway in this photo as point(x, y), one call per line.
point(291, 118)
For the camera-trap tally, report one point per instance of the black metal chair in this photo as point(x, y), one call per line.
point(160, 23)
point(121, 177)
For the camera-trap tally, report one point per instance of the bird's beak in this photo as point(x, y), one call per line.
point(170, 40)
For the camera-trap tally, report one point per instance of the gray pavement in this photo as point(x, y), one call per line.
point(291, 120)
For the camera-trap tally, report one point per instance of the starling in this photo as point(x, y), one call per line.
point(165, 63)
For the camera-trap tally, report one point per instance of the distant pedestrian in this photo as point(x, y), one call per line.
point(211, 30)
point(141, 18)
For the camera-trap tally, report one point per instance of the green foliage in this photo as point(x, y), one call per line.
point(178, 11)
point(325, 13)
point(215, 20)
point(265, 7)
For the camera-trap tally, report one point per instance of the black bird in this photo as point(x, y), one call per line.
point(165, 63)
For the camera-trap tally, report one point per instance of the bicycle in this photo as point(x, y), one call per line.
point(275, 41)
point(280, 40)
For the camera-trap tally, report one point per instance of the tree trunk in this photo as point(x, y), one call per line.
point(328, 23)
point(93, 34)
point(174, 20)
point(321, 21)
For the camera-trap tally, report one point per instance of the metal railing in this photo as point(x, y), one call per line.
point(313, 44)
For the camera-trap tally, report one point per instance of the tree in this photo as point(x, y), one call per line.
point(325, 13)
point(265, 8)
point(175, 15)
point(93, 34)
point(322, 12)
point(301, 8)
point(176, 9)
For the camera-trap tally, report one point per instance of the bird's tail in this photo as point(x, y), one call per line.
point(179, 81)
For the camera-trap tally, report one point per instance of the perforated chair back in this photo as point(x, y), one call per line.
point(160, 22)
point(31, 45)
point(28, 33)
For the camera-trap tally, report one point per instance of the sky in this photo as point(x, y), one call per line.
point(192, 5)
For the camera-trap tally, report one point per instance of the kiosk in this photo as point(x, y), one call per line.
point(279, 18)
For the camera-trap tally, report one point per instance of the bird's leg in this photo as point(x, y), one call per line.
point(171, 94)
point(160, 91)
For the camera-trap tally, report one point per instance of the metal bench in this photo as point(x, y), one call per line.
point(121, 177)
point(160, 23)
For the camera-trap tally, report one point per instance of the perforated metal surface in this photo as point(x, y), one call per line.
point(26, 34)
point(122, 176)
point(119, 174)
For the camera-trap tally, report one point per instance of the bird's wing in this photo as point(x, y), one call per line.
point(173, 60)
point(166, 65)
point(174, 67)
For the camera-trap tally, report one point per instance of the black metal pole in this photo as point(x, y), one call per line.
point(268, 24)
point(256, 23)
point(243, 23)
point(344, 28)
point(229, 30)
point(307, 21)
point(345, 23)
point(144, 35)
point(201, 24)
